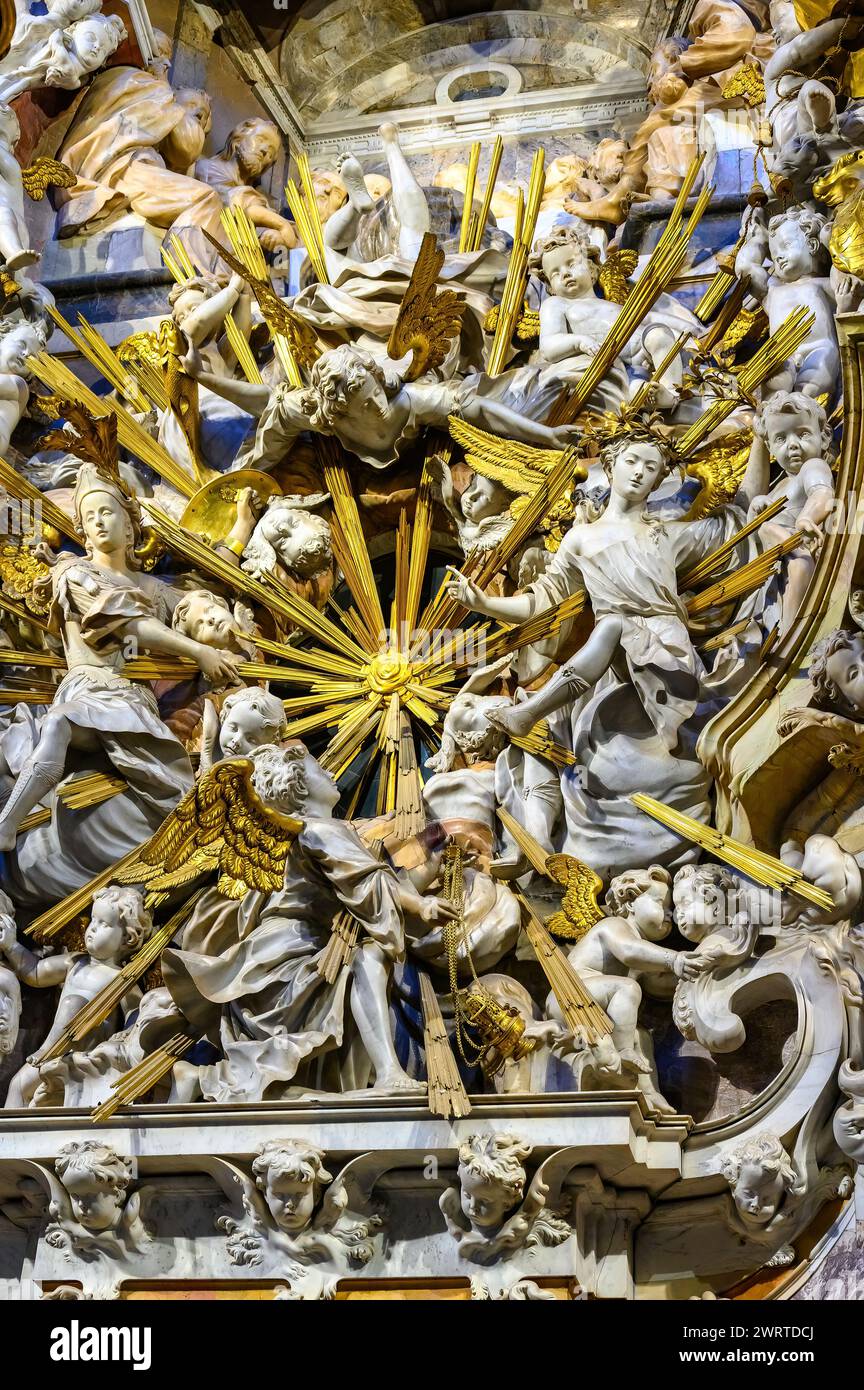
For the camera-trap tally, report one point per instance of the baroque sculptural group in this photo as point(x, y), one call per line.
point(444, 681)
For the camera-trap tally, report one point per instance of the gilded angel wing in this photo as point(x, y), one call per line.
point(45, 173)
point(579, 906)
point(719, 467)
point(428, 319)
point(188, 842)
point(25, 578)
point(615, 272)
point(519, 467)
point(301, 336)
point(256, 838)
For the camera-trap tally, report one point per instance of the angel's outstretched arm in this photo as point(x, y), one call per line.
point(500, 419)
point(204, 321)
point(248, 395)
point(756, 475)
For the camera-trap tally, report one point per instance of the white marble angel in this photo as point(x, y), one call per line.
point(291, 1210)
point(19, 340)
point(60, 57)
point(627, 563)
point(371, 405)
point(256, 991)
point(574, 321)
point(793, 429)
point(490, 1215)
point(785, 265)
point(119, 925)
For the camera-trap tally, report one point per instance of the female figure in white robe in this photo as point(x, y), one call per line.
point(102, 603)
point(628, 564)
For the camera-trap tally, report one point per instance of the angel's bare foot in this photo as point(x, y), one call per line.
point(512, 719)
point(399, 1083)
point(607, 209)
point(636, 1057)
point(352, 176)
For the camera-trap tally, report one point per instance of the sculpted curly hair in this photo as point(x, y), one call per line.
point(767, 1153)
point(496, 1158)
point(336, 377)
point(627, 887)
point(573, 234)
point(279, 776)
point(135, 920)
point(824, 688)
point(793, 403)
point(94, 1159)
point(290, 1158)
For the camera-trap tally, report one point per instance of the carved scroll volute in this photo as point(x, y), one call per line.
point(740, 744)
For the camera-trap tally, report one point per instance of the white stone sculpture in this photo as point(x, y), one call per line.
point(118, 927)
point(796, 276)
point(490, 1215)
point(60, 57)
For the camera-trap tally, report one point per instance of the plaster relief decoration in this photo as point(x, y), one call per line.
point(431, 655)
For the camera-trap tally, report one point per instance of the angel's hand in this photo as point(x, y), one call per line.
point(245, 504)
point(689, 965)
point(813, 535)
point(237, 283)
point(565, 436)
point(437, 912)
point(193, 363)
point(464, 591)
point(220, 668)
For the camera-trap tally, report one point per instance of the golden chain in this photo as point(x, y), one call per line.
point(454, 931)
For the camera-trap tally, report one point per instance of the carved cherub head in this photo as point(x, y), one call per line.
point(291, 1174)
point(187, 296)
point(795, 428)
point(761, 1175)
point(205, 618)
point(484, 497)
point(566, 262)
point(291, 534)
point(837, 670)
point(492, 1179)
point(705, 898)
point(249, 718)
point(119, 923)
point(350, 381)
point(794, 244)
point(642, 896)
point(849, 1118)
point(93, 40)
point(19, 339)
point(97, 1180)
point(293, 781)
